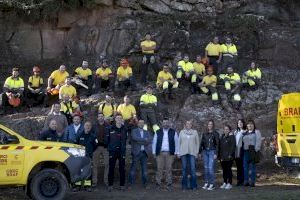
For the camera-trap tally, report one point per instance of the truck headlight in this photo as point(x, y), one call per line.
point(76, 152)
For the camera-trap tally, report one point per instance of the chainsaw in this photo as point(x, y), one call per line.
point(77, 81)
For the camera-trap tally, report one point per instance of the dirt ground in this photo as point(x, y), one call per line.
point(272, 183)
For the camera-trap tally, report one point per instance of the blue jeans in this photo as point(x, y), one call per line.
point(209, 166)
point(142, 158)
point(191, 160)
point(249, 166)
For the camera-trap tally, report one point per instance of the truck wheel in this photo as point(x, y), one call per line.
point(49, 184)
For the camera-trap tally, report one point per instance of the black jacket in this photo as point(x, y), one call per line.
point(210, 141)
point(51, 135)
point(227, 148)
point(115, 139)
point(90, 142)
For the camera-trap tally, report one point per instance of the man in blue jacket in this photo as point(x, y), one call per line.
point(115, 138)
point(141, 141)
point(74, 130)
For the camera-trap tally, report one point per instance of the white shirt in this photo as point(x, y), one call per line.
point(142, 136)
point(165, 142)
point(76, 128)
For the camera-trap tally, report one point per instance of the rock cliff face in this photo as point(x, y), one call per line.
point(267, 31)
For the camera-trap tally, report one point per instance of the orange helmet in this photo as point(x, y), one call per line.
point(124, 61)
point(78, 113)
point(14, 101)
point(36, 69)
point(53, 91)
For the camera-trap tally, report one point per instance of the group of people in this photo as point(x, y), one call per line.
point(110, 139)
point(118, 124)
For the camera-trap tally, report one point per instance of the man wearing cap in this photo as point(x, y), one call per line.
point(148, 47)
point(208, 85)
point(124, 76)
point(84, 73)
point(35, 94)
point(148, 104)
point(166, 82)
point(13, 90)
point(104, 78)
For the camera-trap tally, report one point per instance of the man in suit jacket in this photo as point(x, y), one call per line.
point(141, 142)
point(74, 130)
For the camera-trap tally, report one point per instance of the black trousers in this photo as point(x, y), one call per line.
point(240, 171)
point(113, 157)
point(34, 99)
point(145, 67)
point(227, 172)
point(213, 62)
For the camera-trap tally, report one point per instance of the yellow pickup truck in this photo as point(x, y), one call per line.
point(45, 169)
point(288, 131)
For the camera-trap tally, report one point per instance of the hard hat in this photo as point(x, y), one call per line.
point(85, 62)
point(124, 61)
point(14, 101)
point(36, 69)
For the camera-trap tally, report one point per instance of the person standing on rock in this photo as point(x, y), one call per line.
point(240, 130)
point(13, 90)
point(209, 150)
point(166, 82)
point(251, 148)
point(252, 77)
point(226, 156)
point(188, 152)
point(199, 73)
point(104, 78)
point(85, 74)
point(148, 47)
point(34, 93)
point(61, 120)
point(141, 141)
point(125, 76)
point(209, 85)
point(99, 130)
point(213, 51)
point(148, 104)
point(115, 139)
point(164, 149)
point(229, 54)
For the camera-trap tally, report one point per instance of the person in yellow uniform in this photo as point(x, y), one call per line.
point(35, 94)
point(148, 104)
point(232, 83)
point(213, 51)
point(108, 108)
point(13, 90)
point(185, 69)
point(67, 89)
point(252, 77)
point(208, 85)
point(69, 108)
point(229, 54)
point(166, 82)
point(148, 47)
point(55, 81)
point(124, 76)
point(84, 73)
point(104, 78)
point(199, 73)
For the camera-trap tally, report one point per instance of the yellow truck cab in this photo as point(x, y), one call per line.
point(288, 131)
point(45, 169)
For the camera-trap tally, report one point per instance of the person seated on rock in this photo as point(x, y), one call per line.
point(199, 73)
point(55, 81)
point(124, 76)
point(232, 83)
point(252, 77)
point(108, 108)
point(208, 85)
point(185, 69)
point(67, 89)
point(214, 52)
point(148, 104)
point(74, 130)
point(13, 90)
point(229, 54)
point(104, 77)
point(69, 108)
point(35, 94)
point(84, 73)
point(166, 82)
point(51, 135)
point(148, 47)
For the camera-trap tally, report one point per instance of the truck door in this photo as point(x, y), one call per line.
point(11, 158)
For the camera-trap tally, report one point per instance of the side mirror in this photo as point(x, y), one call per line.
point(12, 139)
